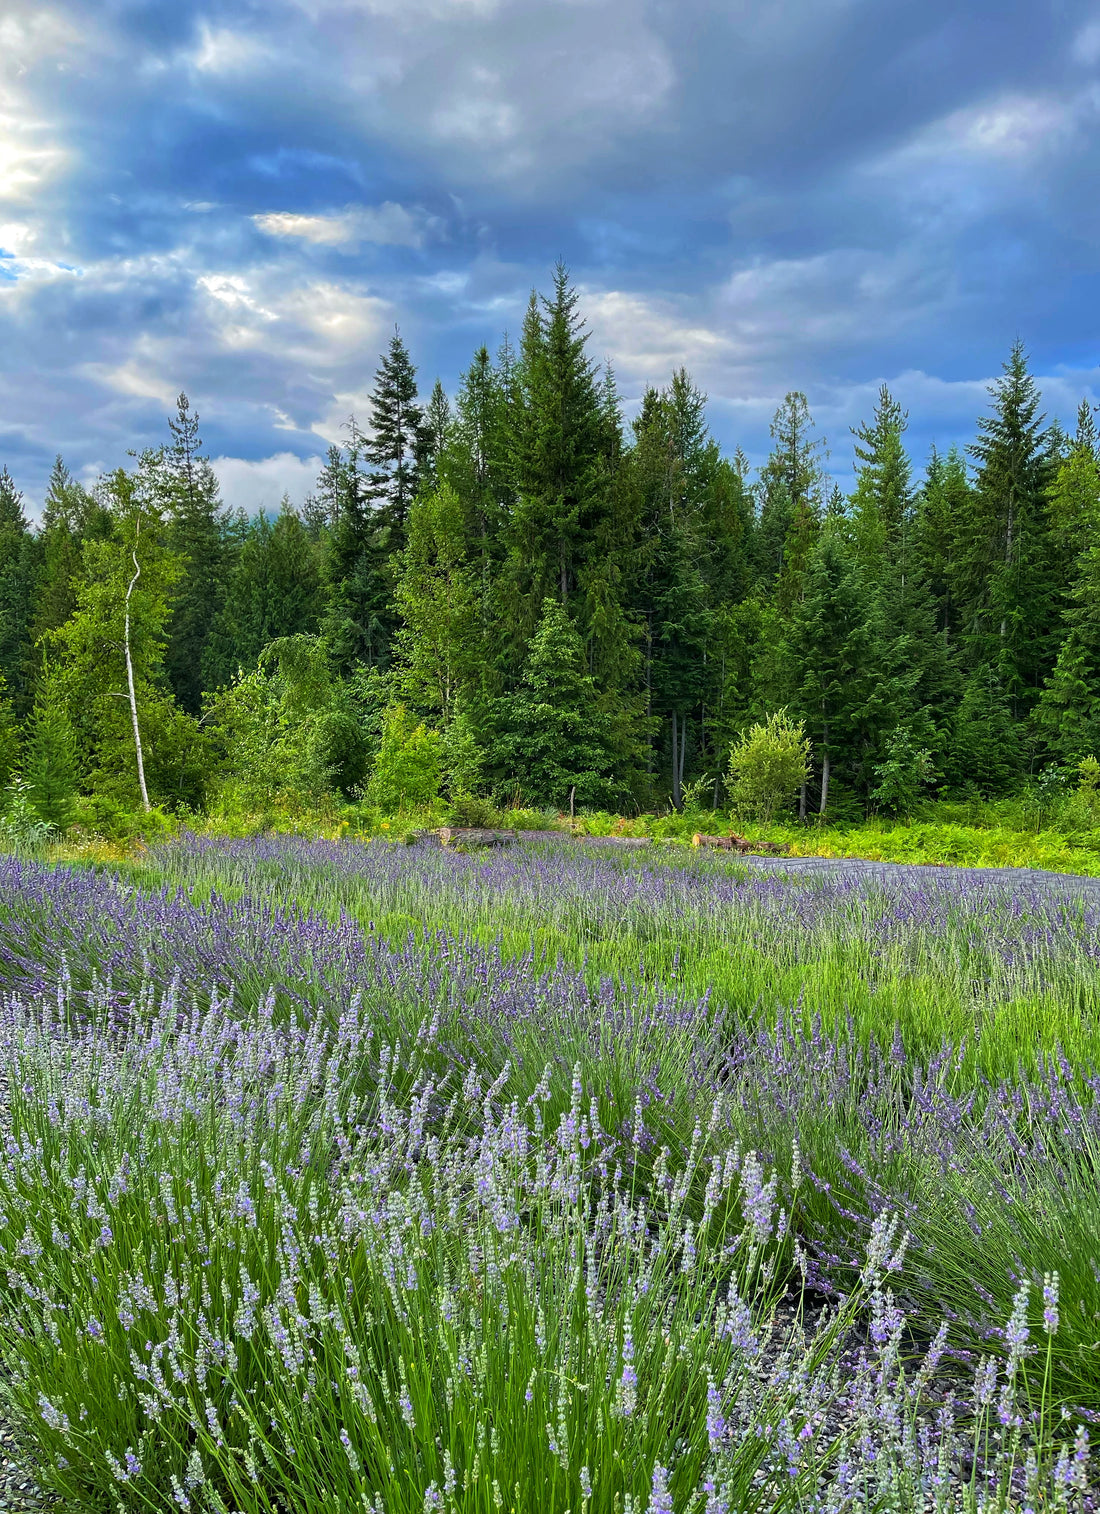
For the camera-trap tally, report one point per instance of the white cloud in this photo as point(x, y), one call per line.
point(221, 50)
point(319, 322)
point(388, 224)
point(253, 485)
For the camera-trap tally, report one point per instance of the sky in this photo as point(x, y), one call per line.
point(241, 200)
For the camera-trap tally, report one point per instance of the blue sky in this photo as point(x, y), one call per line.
point(240, 199)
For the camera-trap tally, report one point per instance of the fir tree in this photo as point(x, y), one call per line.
point(19, 562)
point(791, 483)
point(199, 537)
point(882, 498)
point(397, 443)
point(1011, 611)
point(9, 737)
point(358, 619)
point(1068, 712)
point(65, 517)
point(833, 653)
point(552, 736)
point(49, 760)
point(559, 436)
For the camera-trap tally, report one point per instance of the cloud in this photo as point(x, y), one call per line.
point(809, 194)
point(260, 484)
point(387, 225)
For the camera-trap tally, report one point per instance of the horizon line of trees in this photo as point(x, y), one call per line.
point(526, 596)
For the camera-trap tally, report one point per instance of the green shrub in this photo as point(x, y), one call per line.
point(905, 775)
point(409, 766)
point(768, 766)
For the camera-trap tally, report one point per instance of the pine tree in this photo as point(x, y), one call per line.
point(274, 592)
point(552, 736)
point(437, 430)
point(984, 752)
point(358, 618)
point(942, 520)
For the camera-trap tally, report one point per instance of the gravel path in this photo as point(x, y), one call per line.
point(1017, 878)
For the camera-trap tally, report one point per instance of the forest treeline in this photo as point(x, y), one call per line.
point(516, 594)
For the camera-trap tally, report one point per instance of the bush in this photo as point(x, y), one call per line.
point(905, 776)
point(768, 766)
point(409, 766)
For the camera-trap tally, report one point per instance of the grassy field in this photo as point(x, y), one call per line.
point(366, 1176)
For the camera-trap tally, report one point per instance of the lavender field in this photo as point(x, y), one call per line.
point(380, 1178)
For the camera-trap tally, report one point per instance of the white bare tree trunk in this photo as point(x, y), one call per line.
point(130, 684)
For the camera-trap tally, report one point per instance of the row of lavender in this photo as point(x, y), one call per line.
point(293, 1217)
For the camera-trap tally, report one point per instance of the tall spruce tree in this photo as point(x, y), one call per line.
point(356, 563)
point(65, 517)
point(19, 565)
point(397, 445)
point(198, 535)
point(791, 492)
point(554, 738)
point(1012, 614)
point(556, 455)
point(833, 654)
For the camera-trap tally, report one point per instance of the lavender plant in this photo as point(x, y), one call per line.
point(297, 1213)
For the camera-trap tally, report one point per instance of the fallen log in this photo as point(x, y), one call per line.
point(739, 844)
point(474, 835)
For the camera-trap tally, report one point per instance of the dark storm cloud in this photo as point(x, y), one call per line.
point(242, 200)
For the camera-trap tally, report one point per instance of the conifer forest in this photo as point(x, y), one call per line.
point(529, 598)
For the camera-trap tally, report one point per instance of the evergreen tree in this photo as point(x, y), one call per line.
point(942, 522)
point(397, 444)
point(66, 515)
point(984, 753)
point(19, 561)
point(882, 499)
point(437, 430)
point(9, 738)
point(274, 592)
point(557, 446)
point(358, 619)
point(792, 485)
point(1068, 712)
point(1011, 608)
point(552, 736)
point(198, 535)
point(49, 759)
point(833, 654)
